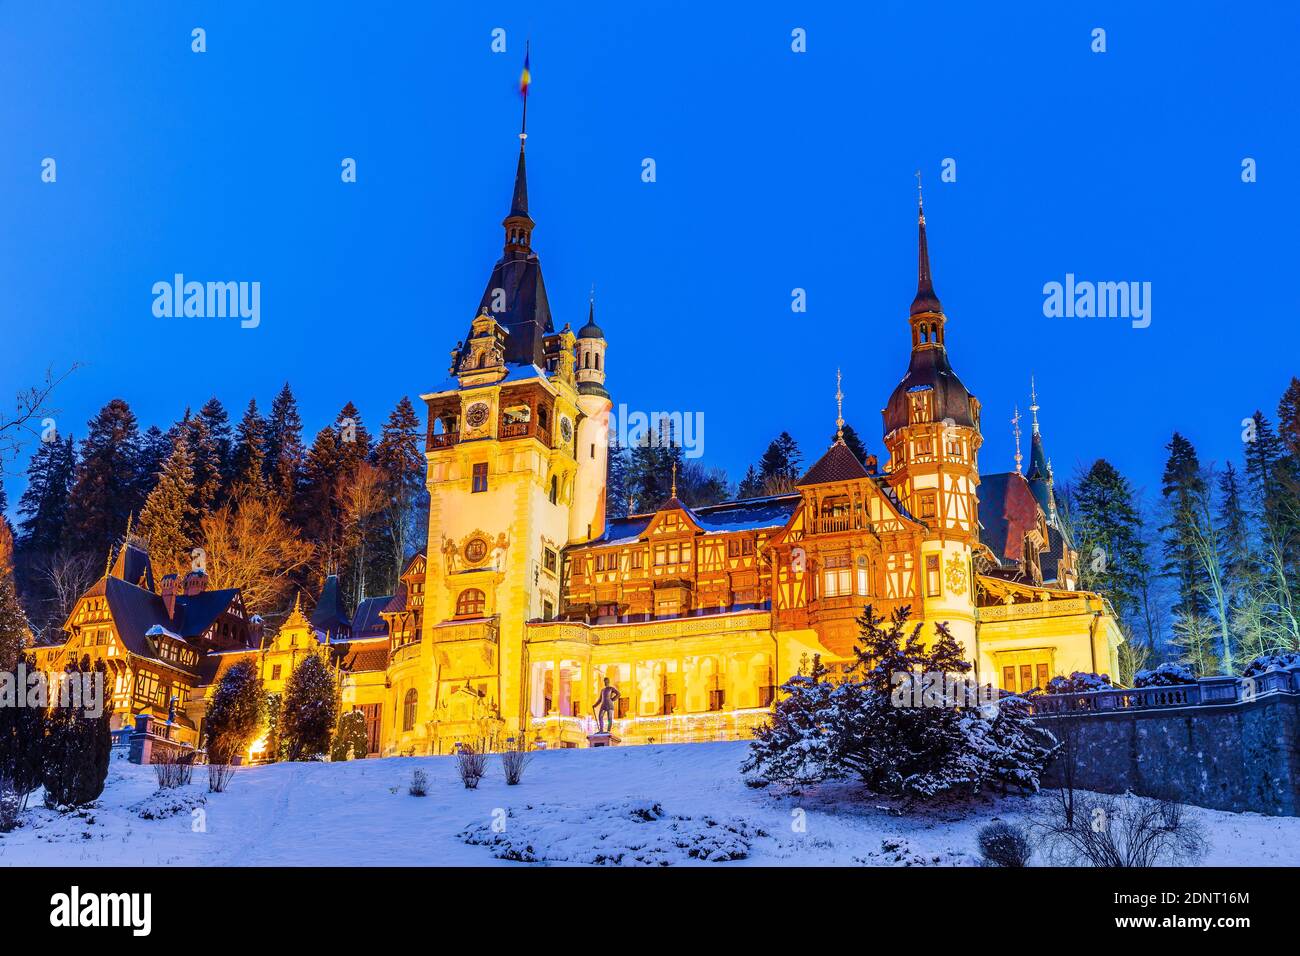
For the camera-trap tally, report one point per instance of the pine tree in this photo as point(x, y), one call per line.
point(353, 439)
point(14, 630)
point(797, 746)
point(398, 457)
point(319, 515)
point(351, 740)
point(169, 521)
point(1236, 558)
point(310, 704)
point(1263, 452)
point(653, 459)
point(205, 453)
point(285, 453)
point(248, 458)
point(217, 422)
point(236, 712)
point(751, 486)
point(779, 465)
point(1110, 535)
point(616, 481)
point(698, 486)
point(77, 746)
point(155, 449)
point(1181, 487)
point(44, 505)
point(108, 486)
point(22, 741)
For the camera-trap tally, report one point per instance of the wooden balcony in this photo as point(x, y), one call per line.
point(528, 429)
point(443, 440)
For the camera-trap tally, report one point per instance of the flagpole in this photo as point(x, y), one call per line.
point(523, 126)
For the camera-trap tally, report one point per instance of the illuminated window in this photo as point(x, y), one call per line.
point(408, 709)
point(926, 505)
point(932, 588)
point(837, 577)
point(470, 603)
point(479, 481)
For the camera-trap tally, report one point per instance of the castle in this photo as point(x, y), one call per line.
point(528, 597)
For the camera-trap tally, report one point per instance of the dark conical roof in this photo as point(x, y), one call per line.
point(519, 201)
point(930, 369)
point(838, 464)
point(591, 330)
point(926, 300)
point(328, 616)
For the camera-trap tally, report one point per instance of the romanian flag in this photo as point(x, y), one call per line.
point(525, 78)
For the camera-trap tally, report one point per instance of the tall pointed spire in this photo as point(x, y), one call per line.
point(1015, 427)
point(839, 410)
point(1033, 404)
point(926, 300)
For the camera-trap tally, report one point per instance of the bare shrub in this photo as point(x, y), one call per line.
point(1127, 831)
point(219, 776)
point(513, 762)
point(173, 767)
point(419, 784)
point(472, 765)
point(1004, 844)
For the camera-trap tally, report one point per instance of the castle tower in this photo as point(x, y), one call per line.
point(932, 435)
point(587, 517)
point(1041, 481)
point(503, 473)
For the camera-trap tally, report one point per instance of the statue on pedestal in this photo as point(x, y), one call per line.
point(605, 707)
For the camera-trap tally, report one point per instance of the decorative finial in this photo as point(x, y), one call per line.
point(1033, 403)
point(1015, 425)
point(839, 410)
point(920, 199)
point(525, 80)
point(674, 480)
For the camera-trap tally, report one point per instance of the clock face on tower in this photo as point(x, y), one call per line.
point(566, 429)
point(476, 415)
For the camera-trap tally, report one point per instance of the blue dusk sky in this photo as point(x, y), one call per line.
point(776, 170)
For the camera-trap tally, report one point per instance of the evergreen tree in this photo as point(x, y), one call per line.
point(1196, 636)
point(248, 459)
point(654, 457)
point(1236, 557)
point(398, 455)
point(617, 486)
point(1108, 530)
point(44, 505)
point(698, 486)
point(108, 486)
point(14, 630)
point(77, 746)
point(1182, 487)
point(208, 483)
point(22, 740)
point(236, 712)
point(319, 514)
point(217, 423)
point(353, 439)
point(779, 465)
point(798, 746)
point(285, 453)
point(1263, 452)
point(169, 521)
point(310, 704)
point(351, 740)
point(155, 449)
point(751, 486)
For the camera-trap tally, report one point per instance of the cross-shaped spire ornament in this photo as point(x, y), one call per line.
point(674, 494)
point(920, 199)
point(1015, 426)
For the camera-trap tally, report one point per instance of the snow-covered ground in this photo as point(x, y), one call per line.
point(680, 804)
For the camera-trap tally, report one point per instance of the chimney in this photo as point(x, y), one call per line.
point(196, 582)
point(167, 589)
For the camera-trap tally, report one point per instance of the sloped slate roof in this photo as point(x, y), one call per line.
point(929, 368)
point(1007, 512)
point(136, 610)
point(367, 622)
point(838, 464)
point(744, 514)
point(328, 615)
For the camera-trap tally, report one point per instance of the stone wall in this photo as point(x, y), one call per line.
point(1235, 756)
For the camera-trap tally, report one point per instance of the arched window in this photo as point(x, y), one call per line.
point(470, 603)
point(408, 709)
point(555, 489)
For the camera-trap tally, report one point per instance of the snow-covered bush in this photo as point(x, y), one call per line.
point(1281, 661)
point(822, 730)
point(1168, 674)
point(172, 766)
point(513, 762)
point(77, 748)
point(219, 776)
point(1121, 831)
point(10, 805)
point(168, 803)
point(1079, 682)
point(310, 702)
point(1004, 844)
point(351, 740)
point(236, 712)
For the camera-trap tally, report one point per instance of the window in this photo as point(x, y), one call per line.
point(555, 489)
point(862, 576)
point(837, 577)
point(593, 449)
point(549, 560)
point(479, 481)
point(932, 588)
point(548, 610)
point(636, 559)
point(470, 603)
point(925, 505)
point(408, 709)
point(275, 672)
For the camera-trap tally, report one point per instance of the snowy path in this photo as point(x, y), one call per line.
point(635, 804)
